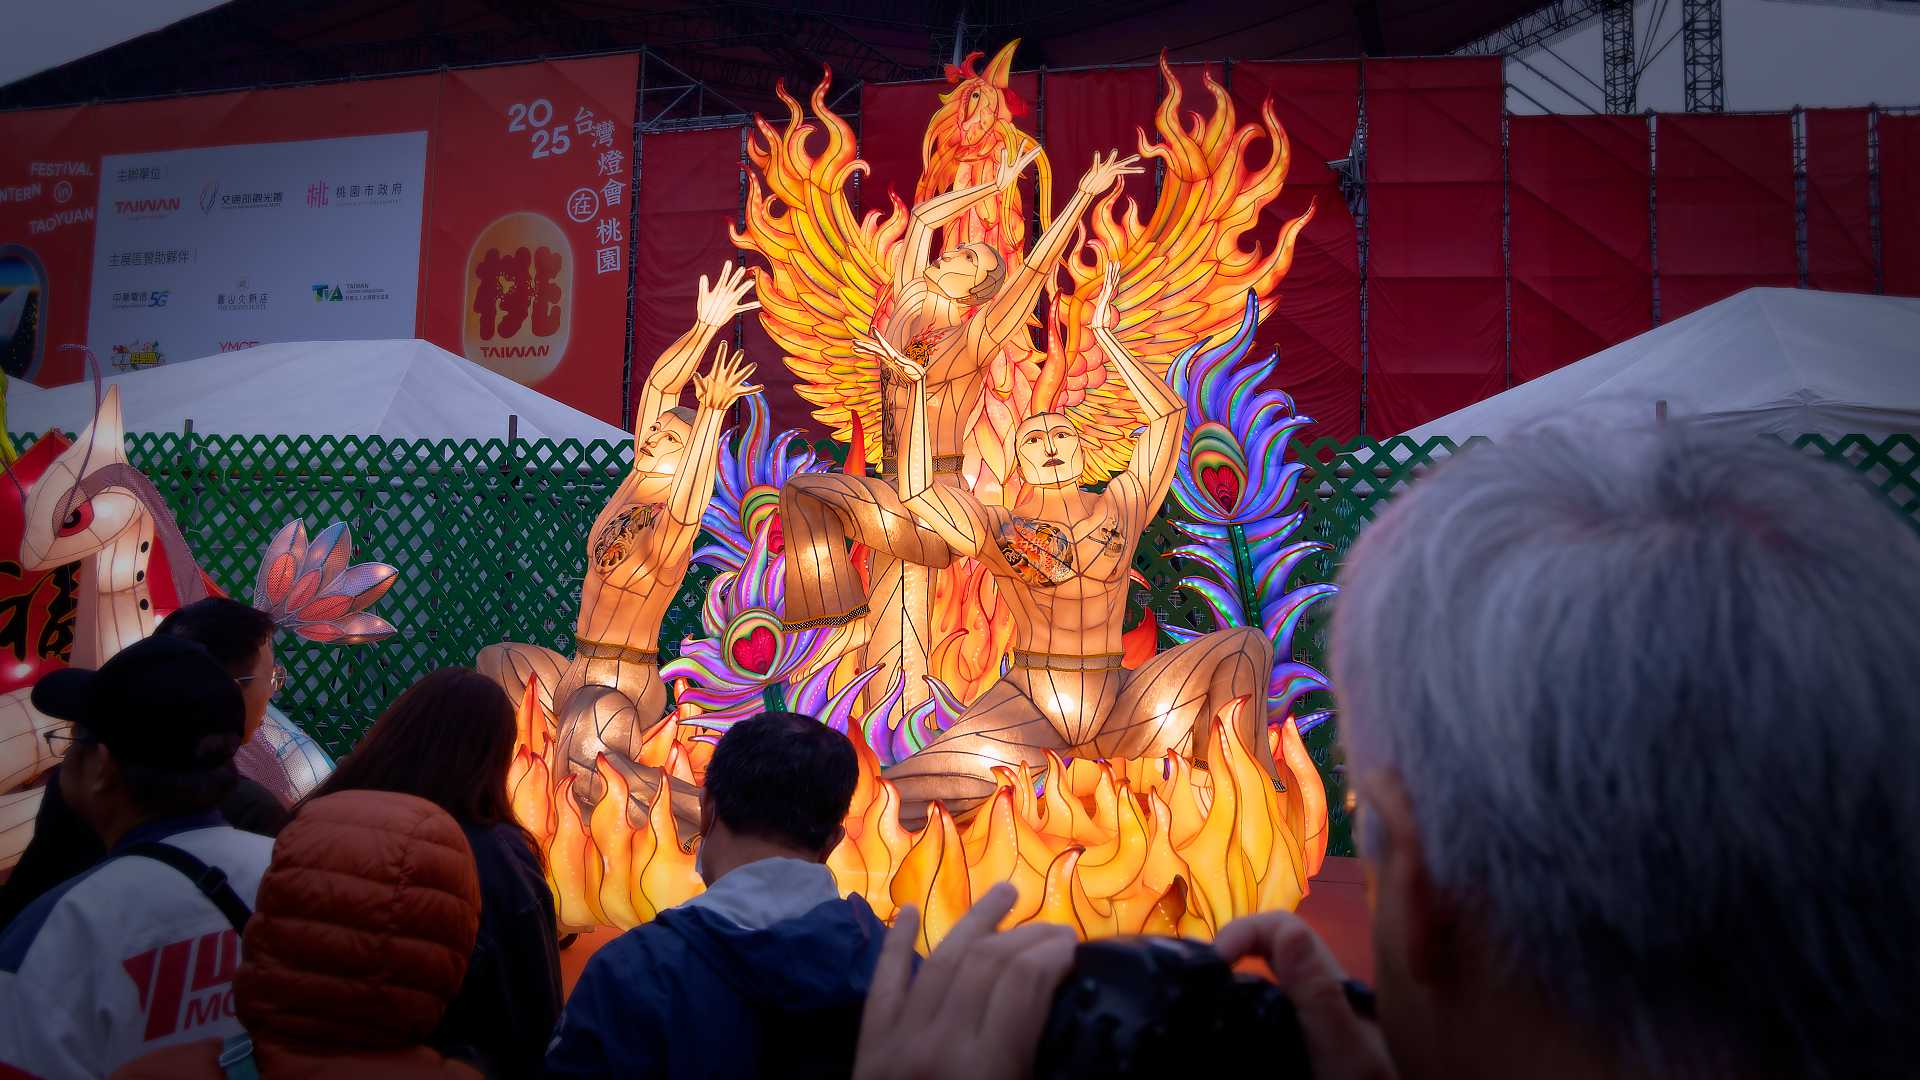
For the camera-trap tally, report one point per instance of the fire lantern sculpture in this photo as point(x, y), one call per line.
point(895, 603)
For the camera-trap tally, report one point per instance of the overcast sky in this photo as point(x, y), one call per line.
point(47, 33)
point(1778, 54)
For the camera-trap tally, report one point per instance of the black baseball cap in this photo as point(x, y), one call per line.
point(151, 703)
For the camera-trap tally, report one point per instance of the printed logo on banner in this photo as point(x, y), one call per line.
point(321, 194)
point(241, 299)
point(62, 192)
point(135, 355)
point(243, 200)
point(147, 208)
point(208, 194)
point(519, 296)
point(141, 299)
point(351, 292)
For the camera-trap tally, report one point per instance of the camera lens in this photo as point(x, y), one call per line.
point(1158, 1007)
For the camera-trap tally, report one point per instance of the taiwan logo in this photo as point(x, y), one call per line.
point(518, 297)
point(327, 294)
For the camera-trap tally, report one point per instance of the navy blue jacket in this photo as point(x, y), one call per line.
point(694, 994)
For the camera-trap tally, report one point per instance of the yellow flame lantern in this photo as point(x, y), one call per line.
point(1106, 847)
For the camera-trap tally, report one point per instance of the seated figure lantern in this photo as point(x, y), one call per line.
point(610, 692)
point(1061, 556)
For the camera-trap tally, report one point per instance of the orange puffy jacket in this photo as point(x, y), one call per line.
point(359, 938)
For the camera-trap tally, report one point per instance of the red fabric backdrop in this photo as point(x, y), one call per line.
point(1839, 240)
point(1900, 203)
point(1316, 326)
point(689, 193)
point(1581, 238)
point(1099, 111)
point(1437, 292)
point(1725, 208)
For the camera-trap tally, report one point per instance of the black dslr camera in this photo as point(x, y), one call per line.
point(1165, 1007)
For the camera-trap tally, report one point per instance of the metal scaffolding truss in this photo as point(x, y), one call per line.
point(1616, 56)
point(1700, 43)
point(1548, 21)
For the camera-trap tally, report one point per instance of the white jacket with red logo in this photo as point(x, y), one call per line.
point(127, 957)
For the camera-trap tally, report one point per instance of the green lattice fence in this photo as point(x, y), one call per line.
point(488, 538)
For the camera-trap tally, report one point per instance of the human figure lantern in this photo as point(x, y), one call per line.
point(833, 279)
point(957, 611)
point(1061, 556)
point(603, 699)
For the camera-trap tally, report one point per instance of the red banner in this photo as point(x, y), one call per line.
point(1436, 318)
point(689, 194)
point(1839, 230)
point(1724, 198)
point(1581, 237)
point(510, 152)
point(1900, 203)
point(1316, 325)
point(527, 225)
point(49, 189)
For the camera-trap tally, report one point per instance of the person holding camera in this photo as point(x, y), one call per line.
point(1630, 724)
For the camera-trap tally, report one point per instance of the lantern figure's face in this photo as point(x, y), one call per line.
point(1049, 450)
point(660, 455)
point(960, 273)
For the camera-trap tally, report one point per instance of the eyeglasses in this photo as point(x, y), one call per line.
point(276, 682)
point(61, 741)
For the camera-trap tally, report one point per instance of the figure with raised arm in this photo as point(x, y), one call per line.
point(610, 693)
point(950, 317)
point(1060, 556)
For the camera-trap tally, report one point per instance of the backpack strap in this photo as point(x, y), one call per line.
point(210, 880)
point(236, 1058)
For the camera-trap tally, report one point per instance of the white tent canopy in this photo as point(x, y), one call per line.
point(1767, 361)
point(400, 389)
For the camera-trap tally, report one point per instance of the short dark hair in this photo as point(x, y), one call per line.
point(783, 777)
point(161, 792)
point(232, 631)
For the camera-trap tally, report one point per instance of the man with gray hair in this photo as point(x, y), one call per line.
point(1631, 724)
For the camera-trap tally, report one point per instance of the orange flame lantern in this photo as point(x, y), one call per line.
point(1106, 847)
